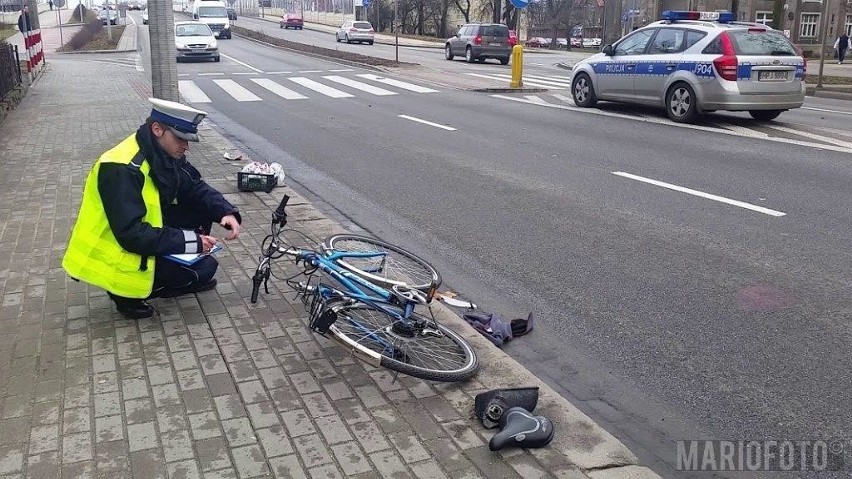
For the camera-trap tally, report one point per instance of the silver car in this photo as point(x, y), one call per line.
point(693, 63)
point(356, 31)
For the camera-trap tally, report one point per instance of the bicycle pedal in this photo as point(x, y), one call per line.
point(323, 321)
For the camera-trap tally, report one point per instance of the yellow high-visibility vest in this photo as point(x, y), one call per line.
point(94, 255)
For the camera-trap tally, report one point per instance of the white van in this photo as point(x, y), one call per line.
point(214, 14)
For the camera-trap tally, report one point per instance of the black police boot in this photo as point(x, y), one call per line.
point(132, 308)
point(519, 428)
point(490, 405)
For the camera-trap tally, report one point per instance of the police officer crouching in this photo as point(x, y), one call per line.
point(143, 200)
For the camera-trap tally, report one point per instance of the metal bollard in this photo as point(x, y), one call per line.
point(517, 67)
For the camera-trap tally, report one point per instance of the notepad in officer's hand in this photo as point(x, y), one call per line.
point(191, 258)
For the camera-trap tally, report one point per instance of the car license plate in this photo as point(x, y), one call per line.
point(772, 76)
point(197, 50)
point(498, 44)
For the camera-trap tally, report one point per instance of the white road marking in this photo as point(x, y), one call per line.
point(132, 21)
point(241, 63)
point(277, 73)
point(661, 121)
point(436, 125)
point(238, 92)
point(360, 86)
point(183, 74)
point(398, 84)
point(342, 70)
point(191, 93)
point(557, 80)
point(320, 88)
point(279, 90)
point(812, 136)
point(209, 74)
point(139, 66)
point(508, 78)
point(566, 99)
point(826, 110)
point(310, 71)
point(245, 73)
point(701, 194)
point(745, 131)
point(535, 99)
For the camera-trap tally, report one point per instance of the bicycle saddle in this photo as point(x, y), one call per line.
point(490, 405)
point(518, 427)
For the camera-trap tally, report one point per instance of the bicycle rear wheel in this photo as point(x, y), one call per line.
point(398, 267)
point(435, 354)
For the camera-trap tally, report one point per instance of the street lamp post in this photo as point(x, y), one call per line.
point(825, 10)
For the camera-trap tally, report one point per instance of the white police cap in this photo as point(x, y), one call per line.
point(182, 120)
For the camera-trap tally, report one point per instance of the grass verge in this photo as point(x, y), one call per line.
point(312, 49)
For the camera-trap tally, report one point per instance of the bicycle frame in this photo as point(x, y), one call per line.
point(357, 288)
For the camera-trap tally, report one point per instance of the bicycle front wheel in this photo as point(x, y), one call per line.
point(396, 267)
point(433, 352)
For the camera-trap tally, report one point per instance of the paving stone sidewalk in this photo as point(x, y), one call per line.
point(215, 386)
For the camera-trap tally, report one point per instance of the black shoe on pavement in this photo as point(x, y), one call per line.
point(192, 288)
point(135, 309)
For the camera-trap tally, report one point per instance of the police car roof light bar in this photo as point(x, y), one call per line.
point(676, 15)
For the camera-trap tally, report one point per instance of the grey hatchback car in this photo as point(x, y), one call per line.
point(478, 41)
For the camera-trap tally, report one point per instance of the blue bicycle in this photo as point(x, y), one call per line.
point(369, 305)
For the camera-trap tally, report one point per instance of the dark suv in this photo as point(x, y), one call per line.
point(478, 41)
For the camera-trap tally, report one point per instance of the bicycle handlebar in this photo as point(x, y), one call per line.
point(280, 215)
point(256, 280)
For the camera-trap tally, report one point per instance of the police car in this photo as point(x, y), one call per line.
point(696, 62)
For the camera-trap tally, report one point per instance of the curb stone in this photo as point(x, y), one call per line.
point(578, 439)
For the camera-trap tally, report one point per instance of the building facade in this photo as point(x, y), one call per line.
point(803, 21)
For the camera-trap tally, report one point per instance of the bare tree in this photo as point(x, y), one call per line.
point(464, 7)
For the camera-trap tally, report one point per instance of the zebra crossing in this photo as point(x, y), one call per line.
point(540, 81)
point(335, 86)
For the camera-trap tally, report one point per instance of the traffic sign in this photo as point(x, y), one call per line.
point(520, 3)
point(231, 2)
point(58, 3)
point(366, 3)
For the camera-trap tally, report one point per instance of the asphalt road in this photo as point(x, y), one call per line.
point(721, 311)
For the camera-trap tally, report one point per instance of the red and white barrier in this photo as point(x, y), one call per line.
point(35, 50)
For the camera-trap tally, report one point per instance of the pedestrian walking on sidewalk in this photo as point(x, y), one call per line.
point(51, 4)
point(24, 23)
point(841, 45)
point(142, 201)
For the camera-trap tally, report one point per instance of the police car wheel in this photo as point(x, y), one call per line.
point(765, 115)
point(583, 91)
point(681, 103)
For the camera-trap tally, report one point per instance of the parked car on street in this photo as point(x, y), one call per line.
point(195, 40)
point(145, 17)
point(292, 20)
point(108, 15)
point(478, 41)
point(538, 42)
point(696, 62)
point(591, 42)
point(355, 31)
